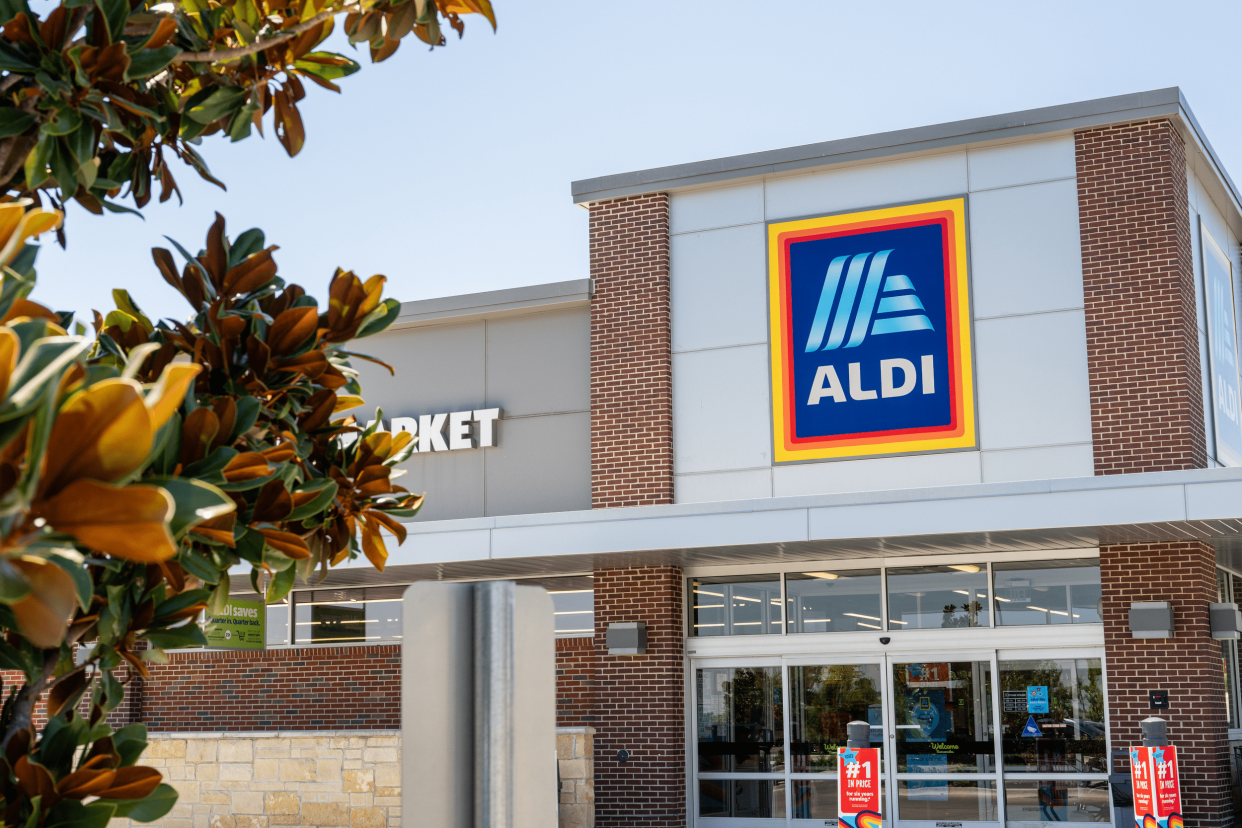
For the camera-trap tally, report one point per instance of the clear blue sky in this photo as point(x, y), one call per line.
point(449, 171)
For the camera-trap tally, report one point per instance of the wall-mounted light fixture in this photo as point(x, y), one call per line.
point(1226, 621)
point(627, 638)
point(1151, 619)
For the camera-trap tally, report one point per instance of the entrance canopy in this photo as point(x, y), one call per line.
point(1203, 504)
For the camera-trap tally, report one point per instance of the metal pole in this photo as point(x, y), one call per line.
point(858, 735)
point(495, 604)
point(1155, 732)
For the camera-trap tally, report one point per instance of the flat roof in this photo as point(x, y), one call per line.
point(1031, 122)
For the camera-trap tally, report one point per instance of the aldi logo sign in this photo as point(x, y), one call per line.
point(870, 333)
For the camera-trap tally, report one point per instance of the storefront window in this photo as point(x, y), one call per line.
point(1047, 592)
point(573, 603)
point(1052, 716)
point(277, 631)
point(736, 605)
point(1056, 800)
point(935, 597)
point(833, 601)
point(331, 616)
point(823, 700)
point(755, 798)
point(740, 720)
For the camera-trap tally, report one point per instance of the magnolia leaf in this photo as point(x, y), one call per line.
point(379, 319)
point(218, 104)
point(13, 584)
point(281, 584)
point(147, 62)
point(129, 522)
point(13, 121)
point(219, 600)
point(324, 492)
point(195, 502)
point(150, 808)
point(43, 615)
point(327, 65)
point(198, 566)
point(115, 13)
point(71, 813)
point(188, 635)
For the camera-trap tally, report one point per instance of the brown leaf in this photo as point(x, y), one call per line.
point(34, 780)
point(289, 129)
point(18, 30)
point(310, 364)
point(226, 411)
point(195, 290)
point(251, 273)
point(43, 615)
point(163, 33)
point(102, 432)
point(291, 330)
point(286, 542)
point(66, 690)
point(168, 267)
point(52, 30)
point(200, 429)
point(281, 452)
point(216, 259)
point(129, 522)
point(319, 410)
point(92, 778)
point(273, 503)
point(218, 529)
point(132, 783)
point(248, 465)
point(259, 354)
point(373, 481)
point(391, 525)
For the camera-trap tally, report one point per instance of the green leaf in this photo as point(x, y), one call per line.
point(247, 244)
point(195, 500)
point(327, 491)
point(218, 104)
point(327, 71)
point(14, 121)
point(379, 319)
point(63, 122)
point(281, 584)
point(177, 638)
point(180, 601)
point(247, 485)
point(81, 578)
point(36, 161)
point(219, 598)
point(198, 566)
point(156, 804)
point(130, 741)
point(211, 465)
point(249, 546)
point(248, 411)
point(12, 59)
point(115, 13)
point(147, 62)
point(73, 814)
point(13, 584)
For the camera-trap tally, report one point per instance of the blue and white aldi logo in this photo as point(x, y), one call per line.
point(870, 333)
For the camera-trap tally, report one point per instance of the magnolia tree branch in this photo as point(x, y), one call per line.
point(23, 705)
point(215, 55)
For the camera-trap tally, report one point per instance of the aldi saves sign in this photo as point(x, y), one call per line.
point(870, 330)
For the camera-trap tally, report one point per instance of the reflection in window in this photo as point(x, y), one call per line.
point(959, 800)
point(1052, 716)
point(740, 720)
point(331, 616)
point(573, 603)
point(743, 798)
point(823, 700)
point(937, 597)
point(833, 601)
point(944, 715)
point(735, 605)
point(1056, 800)
point(1047, 592)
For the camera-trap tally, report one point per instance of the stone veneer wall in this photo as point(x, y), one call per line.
point(324, 779)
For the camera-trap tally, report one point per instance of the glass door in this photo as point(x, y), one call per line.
point(942, 742)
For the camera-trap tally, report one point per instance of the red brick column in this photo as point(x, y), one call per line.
point(631, 357)
point(1138, 284)
point(575, 682)
point(640, 701)
point(1189, 666)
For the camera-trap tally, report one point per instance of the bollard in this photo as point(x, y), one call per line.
point(1155, 732)
point(857, 735)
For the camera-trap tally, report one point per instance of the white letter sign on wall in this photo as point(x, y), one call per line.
point(451, 431)
point(1222, 350)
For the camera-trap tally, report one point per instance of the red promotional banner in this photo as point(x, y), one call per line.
point(858, 787)
point(1157, 788)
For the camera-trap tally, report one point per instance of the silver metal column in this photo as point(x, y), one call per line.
point(494, 607)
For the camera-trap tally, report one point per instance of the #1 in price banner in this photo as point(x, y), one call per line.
point(1157, 788)
point(858, 787)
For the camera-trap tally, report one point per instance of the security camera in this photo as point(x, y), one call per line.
point(884, 639)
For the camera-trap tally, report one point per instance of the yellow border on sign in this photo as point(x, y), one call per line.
point(903, 444)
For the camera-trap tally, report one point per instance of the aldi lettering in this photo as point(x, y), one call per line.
point(870, 332)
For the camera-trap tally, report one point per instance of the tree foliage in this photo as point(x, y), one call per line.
point(99, 96)
point(138, 466)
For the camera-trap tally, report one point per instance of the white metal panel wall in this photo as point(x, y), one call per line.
point(1030, 333)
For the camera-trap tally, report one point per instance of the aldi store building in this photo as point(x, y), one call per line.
point(936, 429)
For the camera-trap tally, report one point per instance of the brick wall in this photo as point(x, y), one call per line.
point(1138, 285)
point(640, 701)
point(1189, 666)
point(575, 682)
point(313, 688)
point(631, 359)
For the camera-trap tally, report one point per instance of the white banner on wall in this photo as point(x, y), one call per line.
point(1223, 350)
